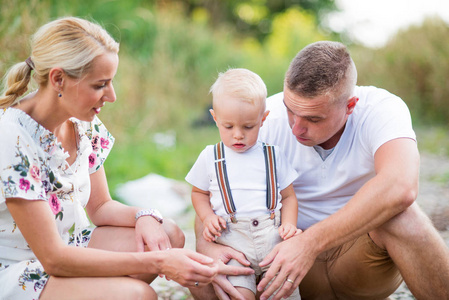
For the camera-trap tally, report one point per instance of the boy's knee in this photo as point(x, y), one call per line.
point(176, 235)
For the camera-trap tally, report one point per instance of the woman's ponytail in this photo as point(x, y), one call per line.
point(15, 84)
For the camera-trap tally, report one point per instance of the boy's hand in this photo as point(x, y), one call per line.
point(213, 225)
point(288, 230)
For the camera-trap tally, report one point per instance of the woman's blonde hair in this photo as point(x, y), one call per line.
point(69, 43)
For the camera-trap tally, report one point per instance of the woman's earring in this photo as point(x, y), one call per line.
point(59, 95)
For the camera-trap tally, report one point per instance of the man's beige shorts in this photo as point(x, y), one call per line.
point(254, 237)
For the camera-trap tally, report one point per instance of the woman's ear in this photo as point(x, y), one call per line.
point(56, 79)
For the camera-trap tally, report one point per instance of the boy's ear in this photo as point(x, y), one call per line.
point(265, 115)
point(213, 114)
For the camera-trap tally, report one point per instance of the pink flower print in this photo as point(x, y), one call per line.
point(35, 173)
point(92, 159)
point(94, 141)
point(24, 184)
point(55, 204)
point(104, 143)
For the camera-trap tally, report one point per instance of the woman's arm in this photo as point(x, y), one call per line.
point(103, 211)
point(36, 223)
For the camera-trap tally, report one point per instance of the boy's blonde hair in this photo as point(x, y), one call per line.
point(69, 43)
point(241, 84)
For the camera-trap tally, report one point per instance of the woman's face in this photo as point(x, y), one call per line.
point(84, 97)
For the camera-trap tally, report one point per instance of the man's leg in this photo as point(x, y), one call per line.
point(358, 269)
point(418, 251)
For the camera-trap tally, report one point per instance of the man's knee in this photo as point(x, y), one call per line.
point(412, 224)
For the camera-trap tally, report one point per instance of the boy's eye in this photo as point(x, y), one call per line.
point(249, 127)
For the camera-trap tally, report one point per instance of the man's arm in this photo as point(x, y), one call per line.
point(390, 192)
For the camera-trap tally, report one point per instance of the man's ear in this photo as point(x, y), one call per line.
point(351, 104)
point(56, 79)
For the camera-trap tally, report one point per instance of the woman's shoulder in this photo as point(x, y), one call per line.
point(18, 127)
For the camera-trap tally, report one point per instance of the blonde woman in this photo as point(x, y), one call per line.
point(51, 167)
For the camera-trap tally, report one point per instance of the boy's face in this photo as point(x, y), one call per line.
point(238, 123)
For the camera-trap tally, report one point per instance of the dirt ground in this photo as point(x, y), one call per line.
point(433, 199)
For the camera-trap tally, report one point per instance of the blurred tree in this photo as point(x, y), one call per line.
point(415, 66)
point(252, 17)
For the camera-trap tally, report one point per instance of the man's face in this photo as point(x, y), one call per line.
point(317, 121)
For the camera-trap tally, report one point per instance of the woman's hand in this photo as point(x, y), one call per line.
point(188, 268)
point(222, 255)
point(151, 233)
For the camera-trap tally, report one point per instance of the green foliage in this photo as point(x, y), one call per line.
point(415, 66)
point(254, 17)
point(168, 61)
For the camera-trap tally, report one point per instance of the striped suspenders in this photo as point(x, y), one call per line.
point(223, 182)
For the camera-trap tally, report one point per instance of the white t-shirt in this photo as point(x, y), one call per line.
point(323, 187)
point(247, 179)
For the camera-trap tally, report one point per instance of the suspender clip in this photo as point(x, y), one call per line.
point(272, 214)
point(233, 218)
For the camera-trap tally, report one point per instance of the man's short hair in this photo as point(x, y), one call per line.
point(322, 68)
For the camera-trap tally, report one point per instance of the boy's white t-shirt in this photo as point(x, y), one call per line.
point(323, 187)
point(247, 179)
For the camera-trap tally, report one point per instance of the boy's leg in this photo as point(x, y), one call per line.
point(246, 293)
point(418, 251)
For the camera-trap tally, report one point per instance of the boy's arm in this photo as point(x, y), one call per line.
point(201, 203)
point(289, 209)
point(213, 224)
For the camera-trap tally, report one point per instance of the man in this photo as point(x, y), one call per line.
point(355, 151)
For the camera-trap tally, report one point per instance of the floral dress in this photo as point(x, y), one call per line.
point(33, 166)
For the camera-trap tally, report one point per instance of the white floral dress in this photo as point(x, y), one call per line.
point(33, 166)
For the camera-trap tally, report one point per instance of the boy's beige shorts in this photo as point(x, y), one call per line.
point(254, 237)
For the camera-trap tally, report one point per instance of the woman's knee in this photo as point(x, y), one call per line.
point(176, 235)
point(140, 290)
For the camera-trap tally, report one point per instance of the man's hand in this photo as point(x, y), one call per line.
point(290, 261)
